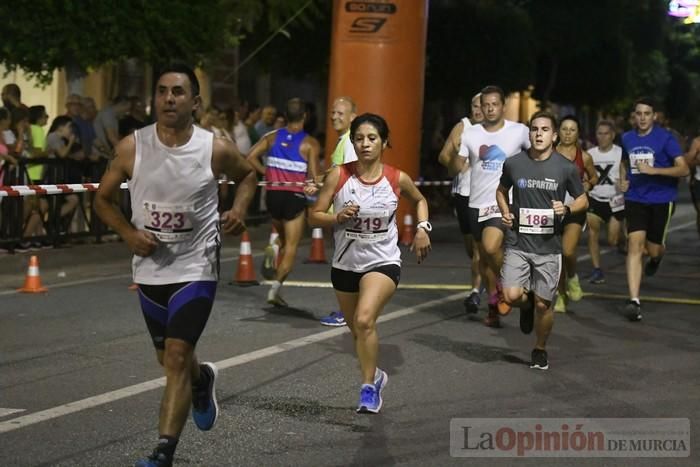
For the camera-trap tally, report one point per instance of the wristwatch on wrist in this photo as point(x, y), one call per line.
point(425, 225)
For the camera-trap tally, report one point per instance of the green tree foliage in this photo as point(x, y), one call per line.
point(472, 43)
point(44, 35)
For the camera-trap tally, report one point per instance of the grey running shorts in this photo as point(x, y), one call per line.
point(532, 271)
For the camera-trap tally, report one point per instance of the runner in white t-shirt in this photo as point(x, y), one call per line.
point(606, 202)
point(460, 194)
point(485, 148)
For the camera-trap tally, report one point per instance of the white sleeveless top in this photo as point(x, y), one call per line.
point(371, 239)
point(462, 181)
point(174, 195)
point(607, 164)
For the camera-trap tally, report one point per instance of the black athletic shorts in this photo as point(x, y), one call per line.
point(654, 219)
point(602, 210)
point(578, 218)
point(462, 209)
point(349, 281)
point(285, 205)
point(477, 228)
point(178, 311)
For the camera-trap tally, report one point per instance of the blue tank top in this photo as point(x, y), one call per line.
point(284, 161)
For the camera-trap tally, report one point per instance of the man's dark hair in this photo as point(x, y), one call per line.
point(544, 114)
point(36, 113)
point(493, 89)
point(645, 100)
point(295, 110)
point(13, 90)
point(185, 70)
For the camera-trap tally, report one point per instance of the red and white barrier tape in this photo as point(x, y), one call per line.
point(29, 190)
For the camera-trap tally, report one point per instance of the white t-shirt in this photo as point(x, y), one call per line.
point(487, 151)
point(607, 164)
point(462, 181)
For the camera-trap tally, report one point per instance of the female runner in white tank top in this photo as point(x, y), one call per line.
point(367, 259)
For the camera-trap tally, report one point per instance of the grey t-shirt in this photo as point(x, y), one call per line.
point(536, 229)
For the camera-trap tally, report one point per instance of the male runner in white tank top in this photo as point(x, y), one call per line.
point(172, 167)
point(460, 194)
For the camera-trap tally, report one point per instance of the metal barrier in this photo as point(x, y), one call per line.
point(16, 191)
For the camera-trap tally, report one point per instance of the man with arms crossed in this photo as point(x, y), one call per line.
point(460, 194)
point(486, 148)
point(172, 169)
point(652, 163)
point(540, 179)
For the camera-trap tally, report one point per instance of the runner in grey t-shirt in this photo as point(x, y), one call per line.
point(540, 179)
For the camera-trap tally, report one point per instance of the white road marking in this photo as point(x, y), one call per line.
point(6, 412)
point(94, 401)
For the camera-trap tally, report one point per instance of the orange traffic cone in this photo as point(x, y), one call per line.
point(318, 252)
point(407, 233)
point(246, 271)
point(32, 281)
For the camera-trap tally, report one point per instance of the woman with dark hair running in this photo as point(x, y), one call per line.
point(569, 147)
point(367, 260)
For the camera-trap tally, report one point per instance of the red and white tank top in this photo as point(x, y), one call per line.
point(371, 239)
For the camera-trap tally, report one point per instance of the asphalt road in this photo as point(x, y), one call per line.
point(78, 370)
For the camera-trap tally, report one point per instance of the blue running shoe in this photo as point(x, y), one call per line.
point(370, 402)
point(597, 276)
point(157, 459)
point(205, 410)
point(336, 318)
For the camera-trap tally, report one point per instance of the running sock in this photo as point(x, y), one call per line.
point(202, 381)
point(475, 290)
point(636, 300)
point(276, 286)
point(167, 445)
